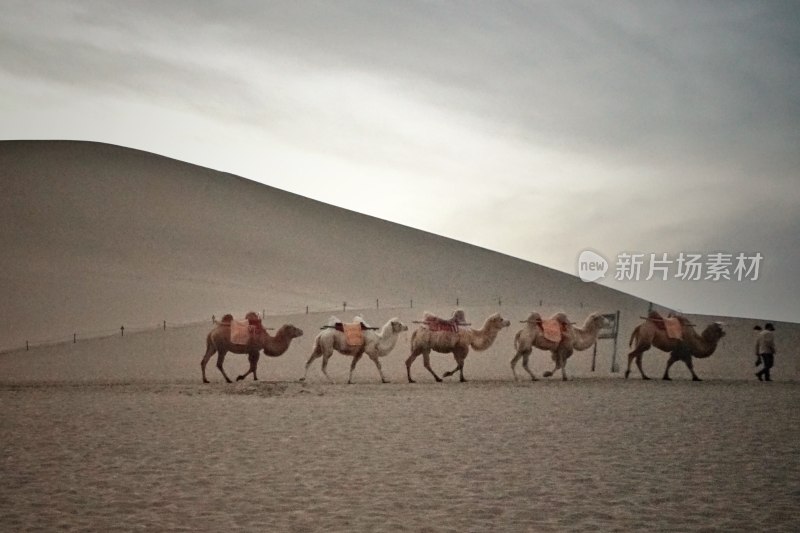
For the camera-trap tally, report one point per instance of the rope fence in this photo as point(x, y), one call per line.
point(360, 305)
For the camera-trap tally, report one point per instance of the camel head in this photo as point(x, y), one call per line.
point(397, 326)
point(497, 322)
point(290, 331)
point(597, 320)
point(714, 332)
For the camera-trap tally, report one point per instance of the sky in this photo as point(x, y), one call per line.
point(536, 129)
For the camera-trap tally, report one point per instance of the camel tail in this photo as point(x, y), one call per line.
point(634, 335)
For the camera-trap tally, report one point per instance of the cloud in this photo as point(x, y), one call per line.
point(534, 129)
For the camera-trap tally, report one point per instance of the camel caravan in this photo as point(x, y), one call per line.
point(557, 335)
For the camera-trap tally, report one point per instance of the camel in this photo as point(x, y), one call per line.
point(648, 334)
point(573, 339)
point(219, 341)
point(376, 345)
point(576, 339)
point(423, 340)
point(530, 336)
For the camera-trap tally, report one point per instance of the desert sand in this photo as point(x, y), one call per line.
point(120, 434)
point(114, 432)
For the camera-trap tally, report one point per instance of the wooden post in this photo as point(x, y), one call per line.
point(377, 304)
point(412, 304)
point(344, 306)
point(614, 364)
point(165, 325)
point(122, 331)
point(27, 347)
point(306, 309)
point(74, 338)
point(457, 304)
point(594, 355)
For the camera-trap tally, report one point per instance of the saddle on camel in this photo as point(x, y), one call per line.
point(671, 324)
point(245, 331)
point(353, 331)
point(552, 329)
point(436, 323)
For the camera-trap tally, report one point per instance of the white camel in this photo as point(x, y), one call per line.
point(377, 344)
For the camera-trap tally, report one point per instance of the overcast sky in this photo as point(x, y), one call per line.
point(537, 129)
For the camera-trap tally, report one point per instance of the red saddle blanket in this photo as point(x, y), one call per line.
point(440, 324)
point(552, 330)
point(244, 331)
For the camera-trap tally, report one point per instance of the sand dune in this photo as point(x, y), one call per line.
point(117, 433)
point(99, 236)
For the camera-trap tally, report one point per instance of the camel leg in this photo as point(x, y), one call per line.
point(409, 362)
point(426, 361)
point(325, 358)
point(637, 354)
point(525, 359)
point(461, 368)
point(524, 355)
point(252, 357)
point(557, 364)
point(688, 361)
point(639, 365)
point(460, 356)
point(209, 352)
point(314, 355)
point(378, 365)
point(673, 358)
point(516, 358)
point(356, 358)
point(220, 360)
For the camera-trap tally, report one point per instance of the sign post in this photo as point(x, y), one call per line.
point(611, 331)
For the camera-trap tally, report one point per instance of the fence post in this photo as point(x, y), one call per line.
point(165, 325)
point(457, 300)
point(344, 306)
point(412, 304)
point(122, 331)
point(27, 347)
point(377, 303)
point(306, 309)
point(74, 338)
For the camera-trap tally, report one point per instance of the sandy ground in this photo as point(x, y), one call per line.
point(119, 434)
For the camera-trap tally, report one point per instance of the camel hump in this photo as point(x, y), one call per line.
point(655, 315)
point(436, 323)
point(227, 319)
point(332, 321)
point(358, 319)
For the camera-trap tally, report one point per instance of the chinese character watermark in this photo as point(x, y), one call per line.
point(635, 266)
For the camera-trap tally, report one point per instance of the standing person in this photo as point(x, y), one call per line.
point(766, 349)
point(758, 330)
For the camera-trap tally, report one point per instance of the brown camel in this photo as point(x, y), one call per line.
point(577, 339)
point(648, 334)
point(423, 340)
point(219, 341)
point(532, 336)
point(376, 344)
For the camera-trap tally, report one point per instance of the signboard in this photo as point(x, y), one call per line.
point(609, 332)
